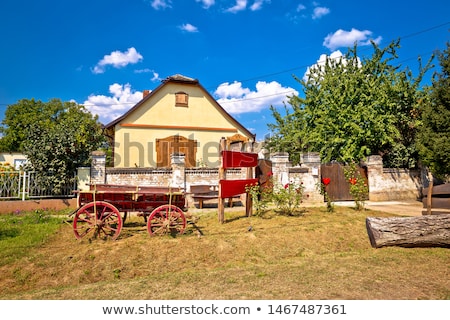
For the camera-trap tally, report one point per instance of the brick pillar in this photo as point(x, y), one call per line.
point(280, 168)
point(178, 163)
point(312, 161)
point(374, 173)
point(98, 167)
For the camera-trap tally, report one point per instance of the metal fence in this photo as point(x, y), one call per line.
point(28, 185)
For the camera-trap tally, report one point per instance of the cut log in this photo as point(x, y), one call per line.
point(423, 231)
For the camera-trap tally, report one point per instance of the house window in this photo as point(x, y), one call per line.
point(181, 99)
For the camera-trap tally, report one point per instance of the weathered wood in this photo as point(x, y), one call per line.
point(429, 193)
point(441, 189)
point(423, 231)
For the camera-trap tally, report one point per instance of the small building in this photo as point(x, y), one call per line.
point(179, 116)
point(14, 159)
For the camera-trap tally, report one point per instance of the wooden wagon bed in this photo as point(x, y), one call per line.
point(99, 209)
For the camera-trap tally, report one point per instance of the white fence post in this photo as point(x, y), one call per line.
point(24, 185)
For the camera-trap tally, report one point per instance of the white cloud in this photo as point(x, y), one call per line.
point(342, 38)
point(239, 6)
point(236, 100)
point(257, 5)
point(319, 12)
point(109, 108)
point(118, 59)
point(161, 4)
point(155, 77)
point(188, 27)
point(206, 3)
point(147, 70)
point(319, 65)
point(300, 7)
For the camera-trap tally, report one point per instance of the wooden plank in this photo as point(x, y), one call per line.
point(436, 211)
point(441, 189)
point(231, 188)
point(235, 159)
point(442, 203)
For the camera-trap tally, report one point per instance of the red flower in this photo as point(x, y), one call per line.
point(270, 174)
point(286, 185)
point(326, 181)
point(352, 181)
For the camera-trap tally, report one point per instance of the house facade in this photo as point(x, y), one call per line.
point(178, 117)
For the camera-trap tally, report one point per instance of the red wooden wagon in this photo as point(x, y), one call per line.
point(103, 210)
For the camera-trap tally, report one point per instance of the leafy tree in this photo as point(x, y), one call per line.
point(434, 136)
point(352, 109)
point(21, 117)
point(56, 136)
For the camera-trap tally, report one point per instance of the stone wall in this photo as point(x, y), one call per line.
point(384, 184)
point(392, 184)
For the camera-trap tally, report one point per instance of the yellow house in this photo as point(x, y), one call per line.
point(179, 116)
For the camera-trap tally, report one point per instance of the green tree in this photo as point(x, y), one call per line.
point(433, 139)
point(56, 136)
point(21, 117)
point(353, 108)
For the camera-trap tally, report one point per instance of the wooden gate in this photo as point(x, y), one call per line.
point(339, 187)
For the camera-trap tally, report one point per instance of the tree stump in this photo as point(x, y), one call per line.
point(423, 231)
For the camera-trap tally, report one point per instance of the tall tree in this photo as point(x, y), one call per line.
point(434, 136)
point(352, 109)
point(56, 136)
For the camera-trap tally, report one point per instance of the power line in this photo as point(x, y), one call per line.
point(413, 34)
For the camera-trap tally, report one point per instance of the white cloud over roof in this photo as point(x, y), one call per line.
point(118, 59)
point(109, 108)
point(236, 99)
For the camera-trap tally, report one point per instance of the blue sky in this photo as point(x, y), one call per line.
point(104, 53)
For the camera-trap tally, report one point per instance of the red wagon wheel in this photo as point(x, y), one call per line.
point(166, 219)
point(100, 218)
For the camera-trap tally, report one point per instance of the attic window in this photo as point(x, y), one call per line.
point(181, 99)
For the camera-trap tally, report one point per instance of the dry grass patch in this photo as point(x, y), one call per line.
point(317, 255)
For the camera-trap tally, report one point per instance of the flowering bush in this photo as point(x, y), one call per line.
point(260, 201)
point(288, 198)
point(323, 191)
point(358, 185)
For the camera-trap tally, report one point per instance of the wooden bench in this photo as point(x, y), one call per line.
point(204, 192)
point(440, 199)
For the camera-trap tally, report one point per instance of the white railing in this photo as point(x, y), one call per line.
point(27, 185)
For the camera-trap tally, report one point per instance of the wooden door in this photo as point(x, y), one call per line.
point(339, 187)
point(175, 144)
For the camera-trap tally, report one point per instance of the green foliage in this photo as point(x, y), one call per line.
point(434, 136)
point(352, 109)
point(56, 136)
point(358, 185)
point(322, 186)
point(288, 198)
point(260, 198)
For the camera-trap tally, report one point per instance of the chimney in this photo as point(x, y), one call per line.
point(145, 93)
